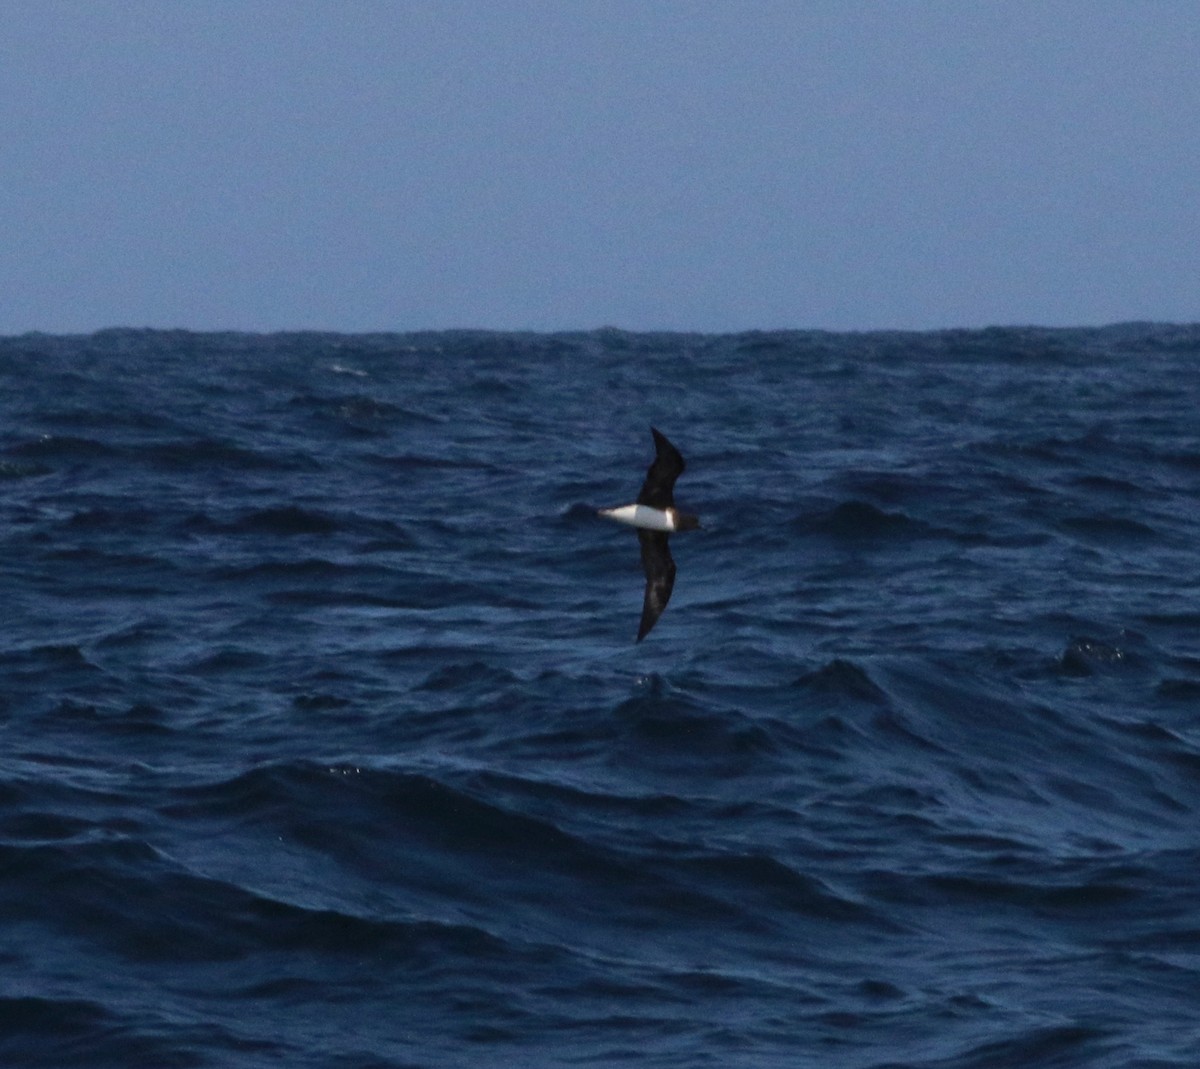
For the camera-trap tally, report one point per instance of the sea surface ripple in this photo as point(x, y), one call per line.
point(326, 742)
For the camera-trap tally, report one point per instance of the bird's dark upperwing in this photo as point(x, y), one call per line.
point(659, 488)
point(660, 577)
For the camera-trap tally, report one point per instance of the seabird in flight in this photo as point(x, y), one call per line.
point(655, 516)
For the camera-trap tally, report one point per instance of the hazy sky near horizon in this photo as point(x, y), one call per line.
point(709, 165)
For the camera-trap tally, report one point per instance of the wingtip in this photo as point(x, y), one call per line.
point(661, 441)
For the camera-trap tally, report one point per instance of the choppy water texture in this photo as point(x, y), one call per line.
point(326, 741)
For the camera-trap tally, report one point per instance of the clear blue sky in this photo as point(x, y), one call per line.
point(547, 164)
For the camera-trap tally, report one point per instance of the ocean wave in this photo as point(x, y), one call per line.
point(327, 740)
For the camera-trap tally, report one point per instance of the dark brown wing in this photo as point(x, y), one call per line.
point(658, 491)
point(660, 578)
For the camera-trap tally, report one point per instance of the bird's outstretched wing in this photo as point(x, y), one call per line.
point(658, 491)
point(660, 577)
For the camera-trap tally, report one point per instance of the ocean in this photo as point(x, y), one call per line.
point(326, 741)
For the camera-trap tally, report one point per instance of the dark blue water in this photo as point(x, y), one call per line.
point(325, 740)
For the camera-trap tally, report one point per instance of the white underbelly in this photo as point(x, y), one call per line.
point(641, 516)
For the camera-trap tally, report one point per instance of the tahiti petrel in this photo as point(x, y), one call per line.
point(655, 516)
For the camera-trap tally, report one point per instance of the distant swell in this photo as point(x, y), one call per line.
point(327, 742)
